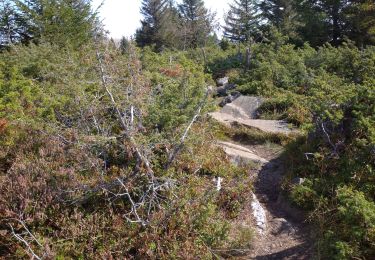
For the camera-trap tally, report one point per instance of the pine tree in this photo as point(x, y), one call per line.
point(314, 27)
point(283, 15)
point(124, 45)
point(360, 18)
point(242, 21)
point(197, 23)
point(334, 20)
point(334, 10)
point(13, 27)
point(171, 31)
point(7, 23)
point(155, 17)
point(59, 22)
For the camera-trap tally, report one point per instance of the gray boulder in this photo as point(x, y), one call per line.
point(222, 81)
point(228, 99)
point(282, 226)
point(235, 94)
point(247, 106)
point(230, 86)
point(221, 91)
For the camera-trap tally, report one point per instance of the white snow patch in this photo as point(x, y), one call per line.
point(259, 214)
point(218, 183)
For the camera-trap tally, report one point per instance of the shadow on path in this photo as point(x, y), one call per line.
point(288, 235)
point(297, 252)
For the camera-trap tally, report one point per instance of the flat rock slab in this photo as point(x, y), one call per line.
point(237, 151)
point(243, 107)
point(268, 126)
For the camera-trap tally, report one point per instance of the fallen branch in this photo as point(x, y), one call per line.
point(23, 240)
point(134, 206)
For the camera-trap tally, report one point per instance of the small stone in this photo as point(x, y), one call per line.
point(226, 100)
point(221, 91)
point(235, 94)
point(298, 181)
point(222, 81)
point(230, 86)
point(283, 226)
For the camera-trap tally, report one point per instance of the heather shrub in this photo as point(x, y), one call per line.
point(63, 152)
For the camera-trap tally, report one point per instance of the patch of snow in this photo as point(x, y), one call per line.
point(259, 215)
point(218, 183)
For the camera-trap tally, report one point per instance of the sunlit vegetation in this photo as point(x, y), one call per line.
point(106, 150)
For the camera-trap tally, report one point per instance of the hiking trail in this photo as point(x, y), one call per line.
point(280, 230)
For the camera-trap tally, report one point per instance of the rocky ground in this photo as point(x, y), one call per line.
point(281, 232)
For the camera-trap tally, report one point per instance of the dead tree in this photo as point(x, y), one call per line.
point(124, 125)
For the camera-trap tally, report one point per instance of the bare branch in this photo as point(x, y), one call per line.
point(178, 148)
point(23, 240)
point(127, 134)
point(134, 205)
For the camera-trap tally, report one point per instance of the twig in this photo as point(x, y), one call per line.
point(329, 139)
point(127, 134)
point(23, 240)
point(134, 206)
point(178, 148)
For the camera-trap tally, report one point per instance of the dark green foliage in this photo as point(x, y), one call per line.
point(124, 45)
point(156, 16)
point(13, 26)
point(242, 21)
point(283, 15)
point(197, 23)
point(334, 21)
point(224, 44)
point(189, 25)
point(360, 18)
point(58, 22)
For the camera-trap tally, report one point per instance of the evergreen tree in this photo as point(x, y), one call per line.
point(242, 21)
point(13, 27)
point(155, 17)
point(170, 32)
point(124, 45)
point(197, 23)
point(360, 17)
point(314, 27)
point(335, 18)
point(283, 15)
point(59, 21)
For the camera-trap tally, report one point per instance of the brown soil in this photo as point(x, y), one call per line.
point(287, 235)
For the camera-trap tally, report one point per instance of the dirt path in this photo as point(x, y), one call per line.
point(286, 235)
point(280, 230)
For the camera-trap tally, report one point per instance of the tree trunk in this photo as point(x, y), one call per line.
point(248, 58)
point(336, 32)
point(204, 58)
